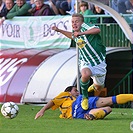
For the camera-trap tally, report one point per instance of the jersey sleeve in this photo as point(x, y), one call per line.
point(88, 26)
point(60, 99)
point(64, 102)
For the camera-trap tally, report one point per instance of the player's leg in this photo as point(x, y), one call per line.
point(98, 113)
point(118, 99)
point(84, 83)
point(99, 75)
point(122, 98)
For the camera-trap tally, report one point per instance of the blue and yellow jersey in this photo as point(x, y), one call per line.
point(78, 112)
point(64, 102)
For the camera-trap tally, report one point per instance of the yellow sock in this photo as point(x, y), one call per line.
point(91, 88)
point(124, 98)
point(84, 104)
point(99, 114)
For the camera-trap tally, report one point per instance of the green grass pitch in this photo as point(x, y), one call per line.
point(116, 122)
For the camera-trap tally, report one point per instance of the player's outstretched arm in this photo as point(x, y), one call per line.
point(42, 111)
point(91, 31)
point(66, 33)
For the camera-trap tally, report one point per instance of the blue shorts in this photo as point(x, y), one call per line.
point(78, 112)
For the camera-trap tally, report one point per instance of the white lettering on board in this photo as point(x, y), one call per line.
point(8, 67)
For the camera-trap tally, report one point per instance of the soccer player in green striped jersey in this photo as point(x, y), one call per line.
point(92, 55)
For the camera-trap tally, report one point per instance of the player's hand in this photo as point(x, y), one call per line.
point(55, 28)
point(89, 117)
point(39, 114)
point(76, 34)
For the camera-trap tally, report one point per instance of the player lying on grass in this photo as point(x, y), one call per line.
point(69, 103)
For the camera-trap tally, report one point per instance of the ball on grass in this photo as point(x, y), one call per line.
point(9, 110)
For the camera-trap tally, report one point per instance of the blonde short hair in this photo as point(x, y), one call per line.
point(79, 16)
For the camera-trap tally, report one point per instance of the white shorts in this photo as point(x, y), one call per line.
point(98, 72)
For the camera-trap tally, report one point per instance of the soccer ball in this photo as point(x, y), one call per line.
point(9, 110)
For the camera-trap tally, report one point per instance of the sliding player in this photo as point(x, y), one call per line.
point(69, 103)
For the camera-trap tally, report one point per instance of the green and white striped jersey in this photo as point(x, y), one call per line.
point(91, 49)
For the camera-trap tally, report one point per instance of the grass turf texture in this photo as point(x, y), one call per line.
point(116, 122)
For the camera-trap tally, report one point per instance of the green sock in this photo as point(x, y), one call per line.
point(84, 88)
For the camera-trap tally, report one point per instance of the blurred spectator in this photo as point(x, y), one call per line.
point(32, 2)
point(41, 9)
point(60, 7)
point(129, 6)
point(19, 9)
point(2, 6)
point(8, 6)
point(114, 5)
point(124, 5)
point(83, 6)
point(121, 6)
point(129, 9)
point(106, 2)
point(98, 11)
point(73, 7)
